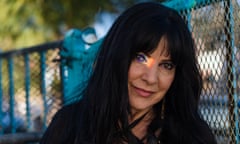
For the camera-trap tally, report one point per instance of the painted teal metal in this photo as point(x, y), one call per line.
point(43, 86)
point(11, 94)
point(1, 99)
point(78, 54)
point(181, 5)
point(234, 82)
point(7, 87)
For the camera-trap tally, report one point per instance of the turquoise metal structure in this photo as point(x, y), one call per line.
point(1, 97)
point(8, 117)
point(78, 53)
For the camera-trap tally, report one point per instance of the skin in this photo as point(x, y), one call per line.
point(149, 78)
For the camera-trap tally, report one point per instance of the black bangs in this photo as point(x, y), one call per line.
point(148, 35)
point(175, 45)
point(147, 29)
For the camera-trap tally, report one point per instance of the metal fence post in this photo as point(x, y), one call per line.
point(11, 94)
point(43, 86)
point(232, 83)
point(1, 99)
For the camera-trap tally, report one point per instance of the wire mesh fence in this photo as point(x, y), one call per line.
point(30, 89)
point(215, 26)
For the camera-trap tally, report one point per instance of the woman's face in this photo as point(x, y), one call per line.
point(149, 78)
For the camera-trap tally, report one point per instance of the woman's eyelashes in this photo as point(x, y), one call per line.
point(167, 65)
point(164, 65)
point(141, 58)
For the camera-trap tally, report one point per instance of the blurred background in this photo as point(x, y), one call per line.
point(29, 22)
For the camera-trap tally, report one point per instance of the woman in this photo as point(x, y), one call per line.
point(144, 89)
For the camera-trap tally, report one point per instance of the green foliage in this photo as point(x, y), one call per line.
point(29, 22)
point(22, 24)
point(73, 13)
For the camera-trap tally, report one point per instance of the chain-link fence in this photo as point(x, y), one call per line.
point(215, 25)
point(30, 88)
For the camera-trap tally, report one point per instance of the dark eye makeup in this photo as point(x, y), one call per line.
point(141, 57)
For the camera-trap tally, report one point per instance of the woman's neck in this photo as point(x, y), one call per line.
point(136, 114)
point(140, 130)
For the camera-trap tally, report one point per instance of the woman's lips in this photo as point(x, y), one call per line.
point(142, 92)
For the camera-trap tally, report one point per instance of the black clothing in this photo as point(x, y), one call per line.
point(69, 126)
point(62, 129)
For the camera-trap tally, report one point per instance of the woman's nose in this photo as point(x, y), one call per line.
point(150, 74)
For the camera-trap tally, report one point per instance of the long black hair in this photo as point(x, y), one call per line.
point(139, 29)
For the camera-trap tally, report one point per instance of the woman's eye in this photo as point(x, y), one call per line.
point(142, 58)
point(167, 65)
